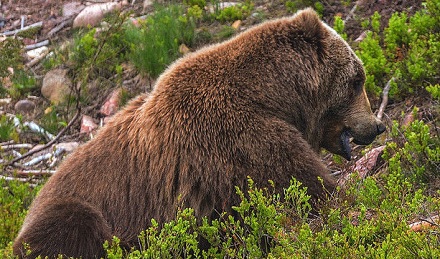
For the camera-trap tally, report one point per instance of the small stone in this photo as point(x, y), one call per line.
point(236, 24)
point(184, 49)
point(87, 124)
point(24, 107)
point(409, 118)
point(111, 106)
point(147, 4)
point(67, 146)
point(37, 52)
point(5, 101)
point(56, 85)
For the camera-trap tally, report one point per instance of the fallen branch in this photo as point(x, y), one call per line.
point(15, 153)
point(37, 45)
point(32, 126)
point(60, 27)
point(9, 178)
point(350, 14)
point(50, 143)
point(29, 173)
point(47, 156)
point(15, 146)
point(9, 142)
point(9, 33)
point(423, 224)
point(34, 61)
point(384, 103)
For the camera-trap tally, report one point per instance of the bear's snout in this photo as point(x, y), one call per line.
point(366, 134)
point(380, 127)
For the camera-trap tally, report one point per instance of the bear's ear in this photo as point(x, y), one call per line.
point(310, 26)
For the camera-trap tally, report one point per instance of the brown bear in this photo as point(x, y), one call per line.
point(261, 104)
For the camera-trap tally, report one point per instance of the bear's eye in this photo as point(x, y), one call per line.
point(358, 84)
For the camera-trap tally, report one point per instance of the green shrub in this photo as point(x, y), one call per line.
point(156, 44)
point(52, 120)
point(294, 6)
point(15, 198)
point(98, 54)
point(21, 82)
point(339, 27)
point(409, 51)
point(10, 53)
point(235, 12)
point(375, 63)
point(434, 90)
point(8, 130)
point(93, 58)
point(200, 3)
point(417, 155)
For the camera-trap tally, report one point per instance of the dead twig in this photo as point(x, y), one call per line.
point(350, 14)
point(9, 178)
point(44, 157)
point(60, 26)
point(384, 103)
point(29, 173)
point(32, 126)
point(34, 61)
point(37, 45)
point(15, 146)
point(50, 143)
point(424, 224)
point(9, 33)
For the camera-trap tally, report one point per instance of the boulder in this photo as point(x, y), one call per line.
point(56, 85)
point(93, 14)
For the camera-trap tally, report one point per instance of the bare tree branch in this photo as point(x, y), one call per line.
point(48, 144)
point(384, 103)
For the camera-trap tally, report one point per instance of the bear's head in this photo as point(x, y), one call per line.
point(347, 113)
point(331, 80)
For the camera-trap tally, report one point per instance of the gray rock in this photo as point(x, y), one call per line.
point(24, 107)
point(67, 146)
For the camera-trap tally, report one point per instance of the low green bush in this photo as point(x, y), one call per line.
point(8, 131)
point(19, 82)
point(155, 44)
point(235, 12)
point(407, 50)
point(15, 198)
point(294, 6)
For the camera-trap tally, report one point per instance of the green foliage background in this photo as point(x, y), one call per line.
point(368, 218)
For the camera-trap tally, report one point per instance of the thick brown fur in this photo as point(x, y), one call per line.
point(261, 105)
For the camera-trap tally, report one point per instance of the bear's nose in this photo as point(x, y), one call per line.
point(380, 128)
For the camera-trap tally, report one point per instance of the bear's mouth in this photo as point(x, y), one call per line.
point(345, 144)
point(347, 137)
